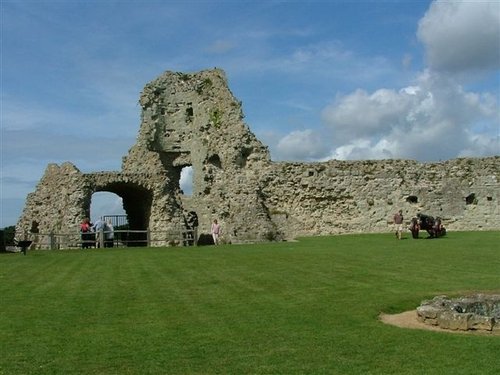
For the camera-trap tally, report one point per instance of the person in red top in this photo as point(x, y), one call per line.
point(85, 231)
point(85, 225)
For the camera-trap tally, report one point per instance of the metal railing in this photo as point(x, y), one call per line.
point(116, 220)
point(120, 238)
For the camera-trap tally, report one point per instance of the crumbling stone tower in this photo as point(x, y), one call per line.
point(194, 120)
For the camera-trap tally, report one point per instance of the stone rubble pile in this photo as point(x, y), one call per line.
point(475, 312)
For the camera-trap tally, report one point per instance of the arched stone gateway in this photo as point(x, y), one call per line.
point(64, 194)
point(137, 196)
point(194, 120)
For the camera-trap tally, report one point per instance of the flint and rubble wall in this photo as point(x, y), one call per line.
point(345, 197)
point(193, 120)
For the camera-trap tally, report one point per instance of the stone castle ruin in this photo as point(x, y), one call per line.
point(194, 120)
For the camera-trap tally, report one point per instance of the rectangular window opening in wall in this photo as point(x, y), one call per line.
point(186, 181)
point(488, 198)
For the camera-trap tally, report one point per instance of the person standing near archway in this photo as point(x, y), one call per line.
point(215, 231)
point(109, 234)
point(98, 228)
point(85, 233)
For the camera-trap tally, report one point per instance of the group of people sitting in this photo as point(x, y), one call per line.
point(433, 226)
point(91, 233)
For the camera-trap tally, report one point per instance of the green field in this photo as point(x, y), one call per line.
point(306, 307)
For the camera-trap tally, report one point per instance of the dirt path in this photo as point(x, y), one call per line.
point(408, 319)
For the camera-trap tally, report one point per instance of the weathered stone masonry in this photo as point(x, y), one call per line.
point(194, 120)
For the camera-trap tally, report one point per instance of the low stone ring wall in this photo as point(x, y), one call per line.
point(475, 312)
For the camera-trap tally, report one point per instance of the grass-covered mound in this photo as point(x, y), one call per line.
point(306, 307)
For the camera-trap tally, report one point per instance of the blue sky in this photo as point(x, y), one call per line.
point(318, 79)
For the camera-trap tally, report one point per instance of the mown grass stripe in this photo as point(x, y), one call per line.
point(282, 308)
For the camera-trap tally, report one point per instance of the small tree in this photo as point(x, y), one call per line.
point(8, 235)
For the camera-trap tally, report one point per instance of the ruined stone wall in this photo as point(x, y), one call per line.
point(63, 196)
point(60, 198)
point(362, 196)
point(194, 120)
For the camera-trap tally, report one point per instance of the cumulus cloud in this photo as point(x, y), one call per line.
point(302, 145)
point(461, 35)
point(362, 115)
point(362, 149)
point(481, 146)
point(433, 118)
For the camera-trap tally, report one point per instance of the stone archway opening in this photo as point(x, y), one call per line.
point(104, 203)
point(137, 202)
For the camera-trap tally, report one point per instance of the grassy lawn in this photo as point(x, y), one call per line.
point(307, 307)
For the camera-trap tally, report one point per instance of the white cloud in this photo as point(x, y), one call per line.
point(481, 145)
point(461, 35)
point(361, 115)
point(363, 149)
point(105, 203)
point(434, 119)
point(302, 145)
